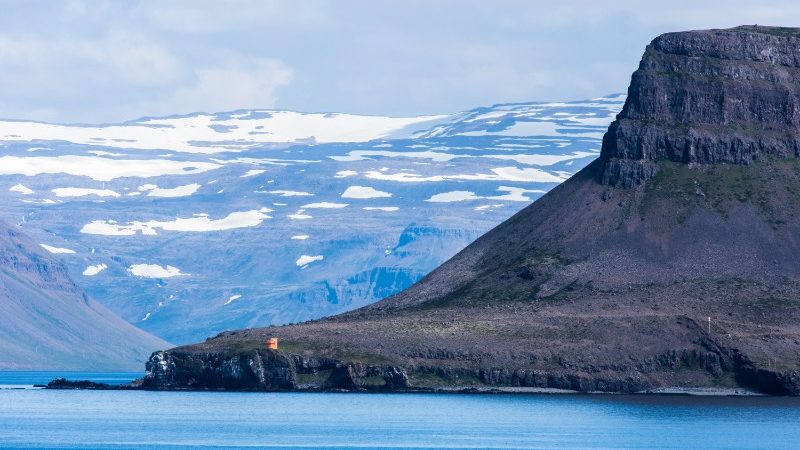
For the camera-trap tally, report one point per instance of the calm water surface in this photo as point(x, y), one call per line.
point(31, 418)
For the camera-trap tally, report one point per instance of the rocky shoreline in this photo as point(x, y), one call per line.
point(62, 384)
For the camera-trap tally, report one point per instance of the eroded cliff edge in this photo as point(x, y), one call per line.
point(708, 97)
point(670, 262)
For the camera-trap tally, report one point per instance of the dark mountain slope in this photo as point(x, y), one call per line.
point(48, 323)
point(606, 283)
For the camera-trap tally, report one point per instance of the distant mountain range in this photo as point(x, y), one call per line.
point(190, 225)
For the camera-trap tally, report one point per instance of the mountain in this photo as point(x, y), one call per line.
point(669, 262)
point(187, 226)
point(48, 323)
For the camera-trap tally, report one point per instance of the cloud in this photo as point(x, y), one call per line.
point(237, 84)
point(124, 74)
point(103, 61)
point(70, 67)
point(201, 17)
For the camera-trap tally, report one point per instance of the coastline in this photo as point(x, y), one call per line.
point(62, 384)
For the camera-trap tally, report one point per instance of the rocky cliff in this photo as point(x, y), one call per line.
point(670, 262)
point(708, 97)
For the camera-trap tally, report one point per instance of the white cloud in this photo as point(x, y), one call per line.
point(300, 237)
point(345, 174)
point(237, 83)
point(185, 16)
point(305, 260)
point(363, 192)
point(57, 250)
point(381, 208)
point(154, 271)
point(119, 56)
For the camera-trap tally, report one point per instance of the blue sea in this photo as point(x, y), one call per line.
point(36, 418)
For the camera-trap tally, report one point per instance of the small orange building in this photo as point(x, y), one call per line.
point(272, 343)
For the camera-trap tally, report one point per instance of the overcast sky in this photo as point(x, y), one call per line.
point(105, 61)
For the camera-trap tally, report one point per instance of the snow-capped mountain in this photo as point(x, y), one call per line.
point(190, 225)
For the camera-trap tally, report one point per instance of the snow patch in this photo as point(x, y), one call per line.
point(252, 173)
point(300, 215)
point(453, 196)
point(290, 193)
point(305, 260)
point(179, 191)
point(325, 205)
point(83, 192)
point(100, 169)
point(232, 298)
point(214, 133)
point(363, 192)
point(528, 174)
point(202, 223)
point(57, 250)
point(94, 270)
point(22, 189)
point(154, 271)
point(345, 174)
point(381, 208)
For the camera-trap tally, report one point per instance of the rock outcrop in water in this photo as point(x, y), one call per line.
point(670, 262)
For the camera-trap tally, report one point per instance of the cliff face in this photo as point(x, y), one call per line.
point(708, 97)
point(266, 370)
point(671, 261)
point(48, 323)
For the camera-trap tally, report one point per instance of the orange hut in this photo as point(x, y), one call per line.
point(272, 343)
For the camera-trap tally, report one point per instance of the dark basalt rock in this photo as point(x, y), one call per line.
point(265, 370)
point(63, 383)
point(707, 97)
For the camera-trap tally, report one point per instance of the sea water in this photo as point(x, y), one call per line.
point(37, 418)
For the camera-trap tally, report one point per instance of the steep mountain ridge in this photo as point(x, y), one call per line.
point(670, 262)
point(48, 323)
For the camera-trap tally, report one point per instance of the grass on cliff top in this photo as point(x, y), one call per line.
point(312, 347)
point(774, 31)
point(767, 184)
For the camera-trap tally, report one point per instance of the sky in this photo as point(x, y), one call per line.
point(98, 61)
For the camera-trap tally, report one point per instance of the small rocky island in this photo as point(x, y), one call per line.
point(671, 262)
